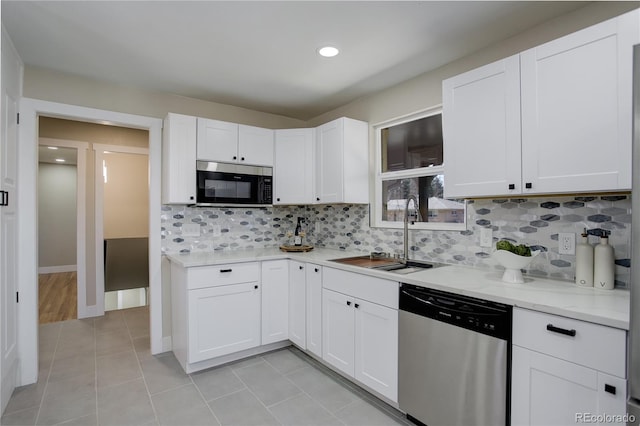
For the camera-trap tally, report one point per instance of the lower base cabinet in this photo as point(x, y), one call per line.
point(360, 339)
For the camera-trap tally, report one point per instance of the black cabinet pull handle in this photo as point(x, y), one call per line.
point(301, 267)
point(316, 269)
point(564, 331)
point(528, 185)
point(191, 197)
point(348, 303)
point(255, 286)
point(235, 158)
point(610, 389)
point(4, 200)
point(357, 305)
point(241, 158)
point(226, 270)
point(277, 199)
point(512, 186)
point(317, 198)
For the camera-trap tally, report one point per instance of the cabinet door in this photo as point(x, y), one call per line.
point(179, 159)
point(255, 145)
point(223, 320)
point(576, 109)
point(376, 347)
point(297, 304)
point(217, 141)
point(330, 162)
point(275, 301)
point(314, 308)
point(481, 130)
point(293, 166)
point(338, 340)
point(551, 391)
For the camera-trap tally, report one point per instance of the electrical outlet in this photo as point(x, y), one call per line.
point(215, 230)
point(190, 230)
point(486, 237)
point(567, 243)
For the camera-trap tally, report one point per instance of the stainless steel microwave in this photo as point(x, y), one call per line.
point(233, 184)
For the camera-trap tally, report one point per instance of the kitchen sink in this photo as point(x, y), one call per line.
point(384, 263)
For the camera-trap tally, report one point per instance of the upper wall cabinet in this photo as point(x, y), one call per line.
point(293, 166)
point(553, 119)
point(234, 143)
point(342, 162)
point(179, 159)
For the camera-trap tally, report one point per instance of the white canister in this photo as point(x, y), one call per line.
point(584, 263)
point(604, 265)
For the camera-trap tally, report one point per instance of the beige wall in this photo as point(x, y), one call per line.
point(91, 133)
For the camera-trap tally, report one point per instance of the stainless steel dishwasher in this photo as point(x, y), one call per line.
point(454, 358)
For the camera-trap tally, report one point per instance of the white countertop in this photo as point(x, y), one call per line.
point(606, 307)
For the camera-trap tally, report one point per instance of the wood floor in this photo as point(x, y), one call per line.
point(58, 297)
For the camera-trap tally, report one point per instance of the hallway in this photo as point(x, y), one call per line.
point(100, 372)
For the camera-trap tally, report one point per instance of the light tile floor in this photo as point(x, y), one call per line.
point(101, 372)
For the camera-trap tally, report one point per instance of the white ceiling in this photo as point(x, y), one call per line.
point(261, 55)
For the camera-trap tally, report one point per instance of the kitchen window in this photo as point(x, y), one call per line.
point(409, 162)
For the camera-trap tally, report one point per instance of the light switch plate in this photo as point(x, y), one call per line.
point(190, 230)
point(566, 243)
point(486, 237)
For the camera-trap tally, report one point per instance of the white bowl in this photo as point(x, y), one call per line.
point(513, 264)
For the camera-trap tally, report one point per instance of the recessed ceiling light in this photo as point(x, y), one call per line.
point(60, 160)
point(328, 51)
point(52, 147)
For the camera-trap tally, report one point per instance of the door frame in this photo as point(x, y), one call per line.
point(30, 109)
point(81, 217)
point(99, 150)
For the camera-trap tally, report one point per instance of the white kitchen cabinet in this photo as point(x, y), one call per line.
point(234, 143)
point(215, 311)
point(179, 159)
point(297, 304)
point(313, 277)
point(565, 106)
point(360, 329)
point(342, 162)
point(294, 166)
point(560, 359)
point(275, 301)
point(223, 320)
point(481, 125)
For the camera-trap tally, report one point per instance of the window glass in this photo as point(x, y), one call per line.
point(428, 191)
point(413, 144)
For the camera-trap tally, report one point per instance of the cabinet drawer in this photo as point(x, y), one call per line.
point(376, 290)
point(591, 345)
point(234, 273)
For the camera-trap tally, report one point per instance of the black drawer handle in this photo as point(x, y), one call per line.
point(301, 267)
point(564, 331)
point(225, 270)
point(528, 185)
point(512, 186)
point(357, 305)
point(316, 269)
point(610, 389)
point(255, 286)
point(348, 303)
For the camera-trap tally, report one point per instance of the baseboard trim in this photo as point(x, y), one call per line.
point(57, 269)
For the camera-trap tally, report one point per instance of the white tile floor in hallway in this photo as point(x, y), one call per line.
point(100, 372)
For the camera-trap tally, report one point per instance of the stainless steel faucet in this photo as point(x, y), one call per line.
point(406, 225)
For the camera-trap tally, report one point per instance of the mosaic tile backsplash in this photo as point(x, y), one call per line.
point(535, 221)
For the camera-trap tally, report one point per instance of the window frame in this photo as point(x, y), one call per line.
point(380, 177)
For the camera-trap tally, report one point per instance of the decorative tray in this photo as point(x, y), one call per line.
point(301, 248)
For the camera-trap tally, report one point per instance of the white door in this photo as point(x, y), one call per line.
point(297, 304)
point(330, 162)
point(255, 145)
point(481, 129)
point(217, 141)
point(314, 308)
point(293, 168)
point(576, 109)
point(550, 391)
point(223, 320)
point(11, 82)
point(338, 341)
point(376, 350)
point(275, 301)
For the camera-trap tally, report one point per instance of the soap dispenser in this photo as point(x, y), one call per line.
point(604, 265)
point(584, 262)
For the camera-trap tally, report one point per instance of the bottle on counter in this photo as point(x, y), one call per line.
point(584, 262)
point(297, 237)
point(604, 265)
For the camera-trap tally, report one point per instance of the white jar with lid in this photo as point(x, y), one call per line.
point(584, 262)
point(604, 265)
